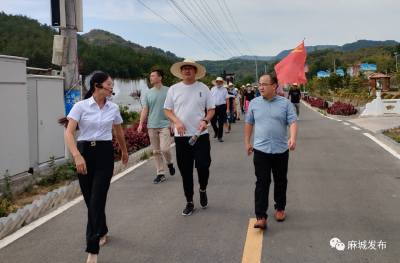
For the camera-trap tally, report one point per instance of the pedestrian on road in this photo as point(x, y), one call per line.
point(248, 96)
point(184, 105)
point(256, 91)
point(270, 114)
point(295, 98)
point(243, 91)
point(233, 90)
point(280, 91)
point(238, 103)
point(221, 100)
point(158, 125)
point(94, 154)
point(232, 109)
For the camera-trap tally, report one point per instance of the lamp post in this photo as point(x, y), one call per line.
point(395, 55)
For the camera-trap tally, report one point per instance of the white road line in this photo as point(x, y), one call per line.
point(355, 128)
point(384, 146)
point(345, 123)
point(28, 228)
point(339, 120)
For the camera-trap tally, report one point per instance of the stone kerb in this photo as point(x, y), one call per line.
point(58, 197)
point(388, 141)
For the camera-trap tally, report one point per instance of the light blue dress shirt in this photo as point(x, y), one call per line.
point(271, 119)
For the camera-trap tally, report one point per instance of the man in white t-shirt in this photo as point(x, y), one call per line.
point(221, 100)
point(184, 106)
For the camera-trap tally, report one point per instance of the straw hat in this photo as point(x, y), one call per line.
point(248, 84)
point(226, 86)
point(230, 84)
point(214, 82)
point(176, 68)
point(295, 84)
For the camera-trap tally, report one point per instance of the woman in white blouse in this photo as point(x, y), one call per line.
point(94, 154)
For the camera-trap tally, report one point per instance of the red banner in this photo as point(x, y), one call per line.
point(291, 68)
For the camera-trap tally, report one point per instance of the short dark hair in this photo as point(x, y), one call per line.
point(160, 73)
point(273, 78)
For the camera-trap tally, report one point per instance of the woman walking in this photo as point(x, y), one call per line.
point(94, 154)
point(248, 96)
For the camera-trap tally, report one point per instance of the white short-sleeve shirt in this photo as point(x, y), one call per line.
point(189, 103)
point(94, 123)
point(220, 95)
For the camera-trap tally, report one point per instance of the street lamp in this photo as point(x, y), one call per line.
point(395, 55)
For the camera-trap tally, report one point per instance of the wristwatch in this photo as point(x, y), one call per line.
point(206, 121)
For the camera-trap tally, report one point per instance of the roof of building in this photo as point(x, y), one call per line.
point(379, 76)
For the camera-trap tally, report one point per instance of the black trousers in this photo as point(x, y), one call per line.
point(186, 155)
point(94, 185)
point(219, 116)
point(264, 163)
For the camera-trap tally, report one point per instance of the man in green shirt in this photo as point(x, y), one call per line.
point(158, 125)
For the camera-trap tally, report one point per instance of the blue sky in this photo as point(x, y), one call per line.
point(267, 26)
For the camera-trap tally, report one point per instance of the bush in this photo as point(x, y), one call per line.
point(344, 109)
point(397, 96)
point(318, 103)
point(134, 140)
point(128, 117)
point(56, 174)
point(8, 191)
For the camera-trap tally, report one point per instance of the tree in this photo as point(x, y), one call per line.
point(335, 82)
point(248, 79)
point(355, 83)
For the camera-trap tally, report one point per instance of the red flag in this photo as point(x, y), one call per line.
point(291, 68)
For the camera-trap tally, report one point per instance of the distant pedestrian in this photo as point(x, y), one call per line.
point(158, 125)
point(256, 91)
point(184, 105)
point(280, 91)
point(249, 95)
point(242, 99)
point(233, 90)
point(238, 104)
point(94, 154)
point(295, 95)
point(221, 100)
point(232, 109)
point(270, 114)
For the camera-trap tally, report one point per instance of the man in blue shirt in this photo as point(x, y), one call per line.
point(270, 114)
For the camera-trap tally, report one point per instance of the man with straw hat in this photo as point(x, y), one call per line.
point(184, 106)
point(221, 100)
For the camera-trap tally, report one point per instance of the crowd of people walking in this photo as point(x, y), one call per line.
point(185, 109)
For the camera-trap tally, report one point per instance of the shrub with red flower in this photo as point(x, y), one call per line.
point(344, 109)
point(318, 103)
point(137, 95)
point(134, 141)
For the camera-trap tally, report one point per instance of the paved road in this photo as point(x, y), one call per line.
point(341, 184)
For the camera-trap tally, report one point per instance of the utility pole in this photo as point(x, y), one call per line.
point(395, 55)
point(256, 69)
point(265, 69)
point(334, 66)
point(70, 70)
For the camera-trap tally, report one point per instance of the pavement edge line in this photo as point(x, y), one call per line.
point(384, 146)
point(38, 222)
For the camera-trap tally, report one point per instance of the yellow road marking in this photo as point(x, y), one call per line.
point(253, 245)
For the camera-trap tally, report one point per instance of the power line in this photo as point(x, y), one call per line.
point(232, 26)
point(210, 31)
point(197, 27)
point(174, 26)
point(221, 50)
point(237, 27)
point(216, 30)
point(222, 28)
point(188, 25)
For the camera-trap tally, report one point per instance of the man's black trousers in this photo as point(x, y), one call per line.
point(186, 155)
point(264, 164)
point(94, 185)
point(219, 116)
